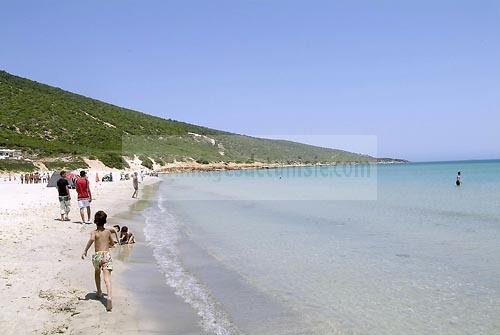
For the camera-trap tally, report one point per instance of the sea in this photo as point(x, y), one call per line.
point(379, 249)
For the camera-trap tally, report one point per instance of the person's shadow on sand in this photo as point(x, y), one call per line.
point(93, 296)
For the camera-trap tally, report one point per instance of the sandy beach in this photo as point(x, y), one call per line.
point(45, 287)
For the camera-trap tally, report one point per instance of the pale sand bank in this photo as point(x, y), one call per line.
point(46, 288)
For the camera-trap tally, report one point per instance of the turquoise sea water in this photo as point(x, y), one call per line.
point(401, 251)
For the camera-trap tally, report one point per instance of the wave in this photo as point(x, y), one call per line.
point(162, 234)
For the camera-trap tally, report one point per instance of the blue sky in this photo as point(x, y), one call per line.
point(423, 77)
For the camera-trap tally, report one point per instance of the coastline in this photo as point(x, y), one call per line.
point(46, 287)
point(161, 310)
point(53, 290)
point(193, 166)
point(178, 167)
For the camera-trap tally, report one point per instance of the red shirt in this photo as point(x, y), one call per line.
point(82, 188)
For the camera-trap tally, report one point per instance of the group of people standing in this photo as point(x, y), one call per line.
point(84, 194)
point(82, 186)
point(34, 178)
point(101, 237)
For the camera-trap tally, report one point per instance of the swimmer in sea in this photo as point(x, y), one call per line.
point(459, 179)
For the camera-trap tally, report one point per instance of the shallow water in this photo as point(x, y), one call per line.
point(416, 255)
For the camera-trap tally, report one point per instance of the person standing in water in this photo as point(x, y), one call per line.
point(459, 178)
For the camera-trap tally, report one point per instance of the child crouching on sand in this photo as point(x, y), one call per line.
point(102, 258)
point(126, 237)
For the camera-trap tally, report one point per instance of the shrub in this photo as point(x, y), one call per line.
point(73, 164)
point(159, 161)
point(146, 161)
point(15, 165)
point(112, 160)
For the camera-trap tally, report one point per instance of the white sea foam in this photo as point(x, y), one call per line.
point(162, 233)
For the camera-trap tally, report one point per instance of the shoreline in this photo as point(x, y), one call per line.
point(46, 287)
point(192, 166)
point(180, 167)
point(161, 310)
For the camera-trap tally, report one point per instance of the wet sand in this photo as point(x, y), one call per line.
point(161, 311)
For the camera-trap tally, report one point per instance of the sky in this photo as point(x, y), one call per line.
point(420, 78)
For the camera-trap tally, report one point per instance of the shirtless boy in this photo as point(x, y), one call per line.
point(102, 258)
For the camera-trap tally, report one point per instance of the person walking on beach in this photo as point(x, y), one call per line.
point(135, 182)
point(101, 260)
point(84, 195)
point(64, 196)
point(458, 182)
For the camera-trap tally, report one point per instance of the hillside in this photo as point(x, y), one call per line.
point(47, 122)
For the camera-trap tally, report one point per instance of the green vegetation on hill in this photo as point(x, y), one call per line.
point(16, 165)
point(60, 164)
point(146, 161)
point(246, 148)
point(45, 121)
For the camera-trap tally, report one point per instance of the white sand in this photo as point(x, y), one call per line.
point(44, 285)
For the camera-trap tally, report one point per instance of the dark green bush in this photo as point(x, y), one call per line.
point(112, 160)
point(146, 161)
point(16, 165)
point(58, 164)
